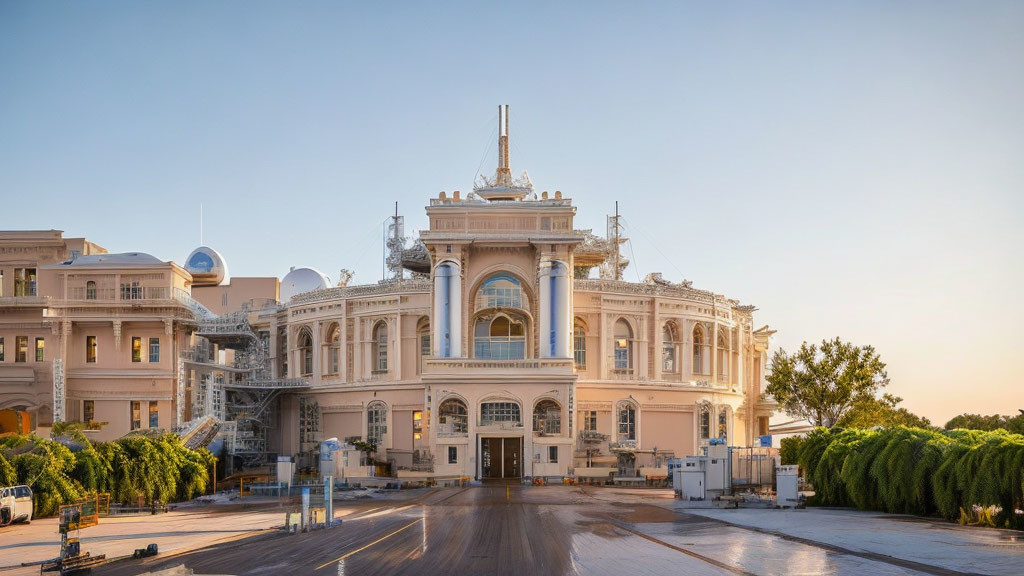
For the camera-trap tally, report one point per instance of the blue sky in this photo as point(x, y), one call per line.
point(852, 169)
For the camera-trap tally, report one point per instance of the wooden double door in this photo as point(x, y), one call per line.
point(501, 458)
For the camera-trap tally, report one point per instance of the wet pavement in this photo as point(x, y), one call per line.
point(565, 530)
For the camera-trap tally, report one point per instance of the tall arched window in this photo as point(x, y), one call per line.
point(626, 421)
point(669, 345)
point(333, 349)
point(453, 412)
point(723, 423)
point(547, 417)
point(704, 421)
point(579, 345)
point(699, 343)
point(500, 291)
point(621, 349)
point(90, 290)
point(376, 422)
point(723, 355)
point(380, 347)
point(306, 351)
point(501, 337)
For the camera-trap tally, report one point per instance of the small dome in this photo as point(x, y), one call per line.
point(302, 280)
point(206, 266)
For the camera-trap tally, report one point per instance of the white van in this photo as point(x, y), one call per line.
point(15, 504)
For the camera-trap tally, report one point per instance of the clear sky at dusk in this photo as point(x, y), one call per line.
point(852, 169)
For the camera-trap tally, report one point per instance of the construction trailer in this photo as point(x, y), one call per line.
point(723, 471)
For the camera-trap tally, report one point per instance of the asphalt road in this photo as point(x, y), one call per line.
point(548, 530)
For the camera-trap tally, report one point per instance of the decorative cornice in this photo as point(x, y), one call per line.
point(416, 285)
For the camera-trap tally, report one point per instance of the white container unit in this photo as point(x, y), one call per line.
point(786, 485)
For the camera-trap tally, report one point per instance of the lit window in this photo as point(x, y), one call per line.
point(376, 422)
point(90, 349)
point(24, 281)
point(88, 410)
point(498, 412)
point(154, 414)
point(21, 349)
point(620, 344)
point(627, 421)
point(136, 349)
point(452, 412)
point(136, 415)
point(380, 347)
point(154, 350)
point(40, 346)
point(417, 424)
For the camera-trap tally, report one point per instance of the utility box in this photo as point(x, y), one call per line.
point(786, 479)
point(717, 469)
point(285, 470)
point(688, 480)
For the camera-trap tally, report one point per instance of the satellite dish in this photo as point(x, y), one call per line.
point(302, 280)
point(206, 266)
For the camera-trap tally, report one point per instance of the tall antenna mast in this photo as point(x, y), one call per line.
point(618, 276)
point(504, 172)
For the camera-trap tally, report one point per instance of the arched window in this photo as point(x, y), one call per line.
point(306, 351)
point(452, 412)
point(622, 353)
point(723, 423)
point(547, 417)
point(501, 337)
point(579, 345)
point(90, 290)
point(380, 347)
point(498, 412)
point(699, 343)
point(704, 420)
point(500, 291)
point(376, 422)
point(668, 349)
point(627, 421)
point(723, 355)
point(333, 349)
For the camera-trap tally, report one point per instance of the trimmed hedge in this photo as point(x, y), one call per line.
point(131, 469)
point(915, 471)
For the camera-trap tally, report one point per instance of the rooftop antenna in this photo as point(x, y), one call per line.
point(395, 242)
point(618, 275)
point(504, 173)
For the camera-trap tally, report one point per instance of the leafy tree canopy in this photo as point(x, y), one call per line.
point(823, 383)
point(884, 412)
point(1013, 424)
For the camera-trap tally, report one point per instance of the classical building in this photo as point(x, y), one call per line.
point(505, 345)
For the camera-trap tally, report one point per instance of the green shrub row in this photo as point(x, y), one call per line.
point(131, 469)
point(914, 471)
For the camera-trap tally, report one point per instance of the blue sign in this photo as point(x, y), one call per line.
point(766, 441)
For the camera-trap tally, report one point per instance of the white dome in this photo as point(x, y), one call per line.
point(301, 280)
point(206, 266)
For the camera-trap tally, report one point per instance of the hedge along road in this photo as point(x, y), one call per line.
point(542, 530)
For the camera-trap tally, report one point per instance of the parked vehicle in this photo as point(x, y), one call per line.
point(15, 504)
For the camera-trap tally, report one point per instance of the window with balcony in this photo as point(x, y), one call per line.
point(131, 291)
point(376, 422)
point(90, 349)
point(621, 352)
point(499, 337)
point(40, 349)
point(500, 412)
point(579, 345)
point(90, 290)
point(453, 413)
point(547, 417)
point(627, 421)
point(21, 348)
point(590, 421)
point(380, 347)
point(24, 281)
point(154, 350)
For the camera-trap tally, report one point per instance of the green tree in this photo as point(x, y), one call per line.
point(822, 384)
point(1013, 424)
point(884, 412)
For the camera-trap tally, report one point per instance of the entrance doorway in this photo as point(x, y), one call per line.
point(501, 458)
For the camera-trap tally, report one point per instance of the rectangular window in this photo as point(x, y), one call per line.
point(136, 349)
point(417, 425)
point(131, 291)
point(136, 415)
point(90, 349)
point(453, 455)
point(154, 414)
point(762, 425)
point(590, 421)
point(1, 349)
point(88, 410)
point(154, 350)
point(24, 281)
point(553, 454)
point(40, 345)
point(21, 349)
